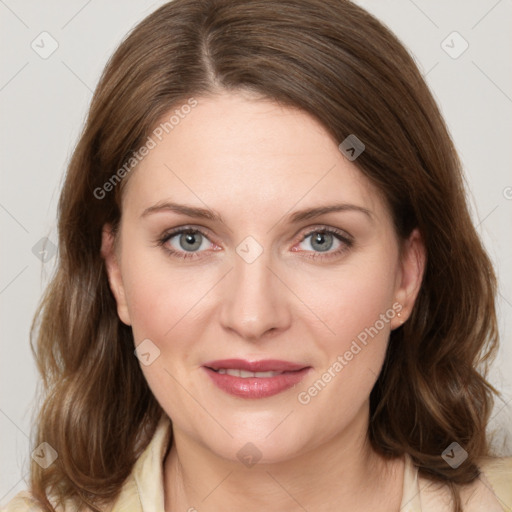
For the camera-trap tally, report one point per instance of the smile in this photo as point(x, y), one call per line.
point(256, 379)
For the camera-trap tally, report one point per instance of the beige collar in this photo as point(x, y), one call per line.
point(148, 475)
point(144, 489)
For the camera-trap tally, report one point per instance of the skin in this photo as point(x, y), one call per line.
point(256, 163)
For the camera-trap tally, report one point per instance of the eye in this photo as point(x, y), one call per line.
point(185, 242)
point(188, 243)
point(322, 240)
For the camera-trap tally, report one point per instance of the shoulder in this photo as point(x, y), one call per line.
point(491, 491)
point(496, 475)
point(22, 502)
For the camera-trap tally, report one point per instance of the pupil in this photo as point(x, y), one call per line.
point(188, 241)
point(321, 240)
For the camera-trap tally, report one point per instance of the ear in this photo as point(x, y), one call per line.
point(109, 254)
point(412, 267)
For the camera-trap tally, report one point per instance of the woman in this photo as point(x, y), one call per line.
point(270, 293)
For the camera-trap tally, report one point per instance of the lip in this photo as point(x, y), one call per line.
point(265, 365)
point(256, 387)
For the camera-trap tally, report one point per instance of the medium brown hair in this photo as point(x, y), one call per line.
point(333, 60)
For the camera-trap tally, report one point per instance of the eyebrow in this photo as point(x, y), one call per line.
point(206, 213)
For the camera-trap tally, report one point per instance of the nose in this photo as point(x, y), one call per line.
point(254, 300)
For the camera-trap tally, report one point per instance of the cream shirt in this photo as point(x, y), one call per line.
point(143, 490)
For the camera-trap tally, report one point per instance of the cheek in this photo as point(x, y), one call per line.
point(356, 307)
point(340, 301)
point(156, 294)
point(351, 298)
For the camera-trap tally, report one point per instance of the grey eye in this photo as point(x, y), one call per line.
point(189, 241)
point(321, 241)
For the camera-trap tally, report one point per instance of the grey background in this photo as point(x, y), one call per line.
point(43, 104)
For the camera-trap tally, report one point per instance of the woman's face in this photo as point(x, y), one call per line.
point(263, 275)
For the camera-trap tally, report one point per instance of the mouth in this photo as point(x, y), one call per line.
point(255, 379)
point(244, 374)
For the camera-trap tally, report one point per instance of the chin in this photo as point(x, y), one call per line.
point(259, 446)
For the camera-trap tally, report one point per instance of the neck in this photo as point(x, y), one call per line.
point(342, 473)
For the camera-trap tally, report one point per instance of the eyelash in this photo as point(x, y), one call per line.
point(338, 234)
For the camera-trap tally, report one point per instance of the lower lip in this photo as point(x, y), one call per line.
point(256, 387)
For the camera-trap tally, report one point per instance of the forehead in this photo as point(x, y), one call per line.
point(248, 155)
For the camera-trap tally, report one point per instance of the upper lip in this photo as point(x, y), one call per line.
point(265, 365)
